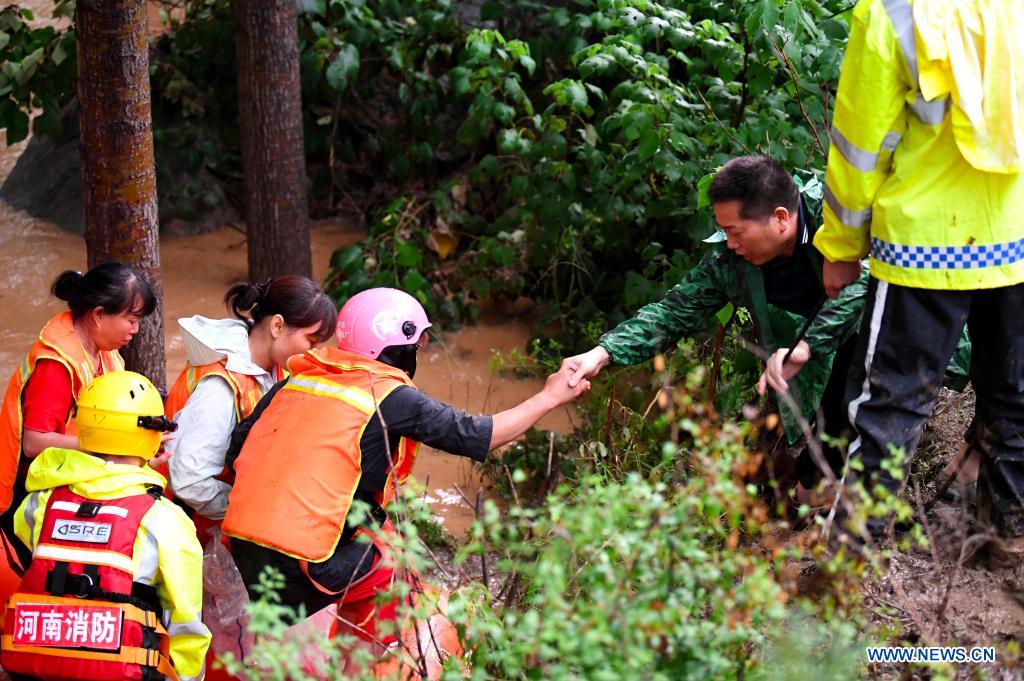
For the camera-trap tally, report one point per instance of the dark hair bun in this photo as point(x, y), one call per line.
point(241, 299)
point(113, 286)
point(299, 301)
point(67, 285)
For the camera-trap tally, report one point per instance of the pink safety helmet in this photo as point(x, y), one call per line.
point(378, 318)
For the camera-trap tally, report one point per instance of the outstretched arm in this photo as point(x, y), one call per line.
point(511, 423)
point(658, 326)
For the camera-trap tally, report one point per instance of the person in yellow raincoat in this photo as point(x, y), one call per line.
point(119, 422)
point(924, 175)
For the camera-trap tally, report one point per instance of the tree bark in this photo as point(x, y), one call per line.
point(273, 153)
point(118, 173)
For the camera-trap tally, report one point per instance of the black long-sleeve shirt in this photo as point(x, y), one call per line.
point(405, 412)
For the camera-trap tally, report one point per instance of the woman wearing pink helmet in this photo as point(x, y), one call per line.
point(347, 425)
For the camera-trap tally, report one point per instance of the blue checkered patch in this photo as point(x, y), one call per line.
point(947, 257)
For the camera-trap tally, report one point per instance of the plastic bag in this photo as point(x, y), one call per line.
point(225, 601)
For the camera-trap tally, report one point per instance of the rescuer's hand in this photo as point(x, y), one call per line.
point(163, 455)
point(776, 374)
point(586, 365)
point(838, 275)
point(559, 387)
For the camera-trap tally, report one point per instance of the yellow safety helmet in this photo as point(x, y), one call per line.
point(121, 413)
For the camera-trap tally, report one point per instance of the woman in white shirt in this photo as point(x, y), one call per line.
point(232, 363)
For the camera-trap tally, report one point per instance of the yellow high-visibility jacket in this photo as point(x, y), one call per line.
point(927, 138)
point(166, 554)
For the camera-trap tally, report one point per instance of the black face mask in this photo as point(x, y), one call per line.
point(401, 357)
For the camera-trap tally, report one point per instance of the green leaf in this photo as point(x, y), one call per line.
point(343, 68)
point(575, 96)
point(415, 284)
point(589, 133)
point(59, 54)
point(703, 184)
point(347, 260)
point(27, 67)
point(459, 79)
point(650, 141)
point(5, 38)
point(526, 61)
point(407, 254)
point(725, 314)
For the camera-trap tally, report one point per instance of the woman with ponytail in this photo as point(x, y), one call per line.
point(232, 363)
point(105, 306)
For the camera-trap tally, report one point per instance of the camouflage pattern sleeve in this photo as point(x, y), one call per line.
point(839, 319)
point(684, 310)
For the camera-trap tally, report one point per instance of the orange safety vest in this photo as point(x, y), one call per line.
point(300, 466)
point(58, 342)
point(78, 614)
point(246, 390)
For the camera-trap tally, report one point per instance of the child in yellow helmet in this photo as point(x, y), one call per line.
point(106, 544)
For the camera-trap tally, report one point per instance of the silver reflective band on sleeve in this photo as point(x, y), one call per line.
point(930, 113)
point(901, 15)
point(861, 159)
point(194, 628)
point(850, 218)
point(149, 560)
point(30, 514)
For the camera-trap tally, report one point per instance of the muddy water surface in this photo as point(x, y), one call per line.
point(196, 272)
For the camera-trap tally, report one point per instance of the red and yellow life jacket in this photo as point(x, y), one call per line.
point(78, 614)
point(58, 342)
point(302, 458)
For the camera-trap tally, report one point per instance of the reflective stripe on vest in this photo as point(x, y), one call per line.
point(360, 399)
point(849, 217)
point(93, 557)
point(303, 458)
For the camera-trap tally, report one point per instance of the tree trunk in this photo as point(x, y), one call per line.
point(118, 174)
point(273, 155)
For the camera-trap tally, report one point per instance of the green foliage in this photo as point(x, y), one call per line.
point(536, 151)
point(37, 76)
point(676, 573)
point(580, 181)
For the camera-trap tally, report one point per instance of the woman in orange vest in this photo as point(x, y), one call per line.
point(231, 364)
point(347, 424)
point(105, 306)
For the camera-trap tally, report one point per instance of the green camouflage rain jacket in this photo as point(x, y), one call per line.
point(722, 277)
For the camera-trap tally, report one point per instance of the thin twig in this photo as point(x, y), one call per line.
point(799, 98)
point(722, 125)
point(483, 544)
point(511, 484)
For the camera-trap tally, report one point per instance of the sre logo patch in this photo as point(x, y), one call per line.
point(81, 530)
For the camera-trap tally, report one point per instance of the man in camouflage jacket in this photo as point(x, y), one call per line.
point(763, 260)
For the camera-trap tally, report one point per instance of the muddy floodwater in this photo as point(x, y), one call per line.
point(196, 272)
